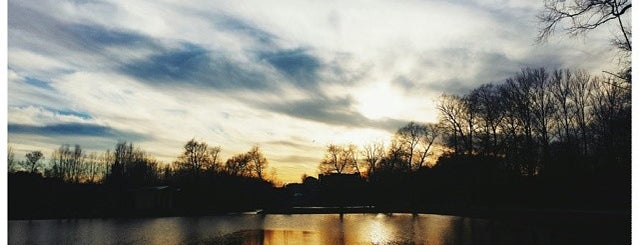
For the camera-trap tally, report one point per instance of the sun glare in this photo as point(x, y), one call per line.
point(379, 100)
point(378, 234)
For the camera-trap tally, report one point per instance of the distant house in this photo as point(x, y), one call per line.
point(156, 198)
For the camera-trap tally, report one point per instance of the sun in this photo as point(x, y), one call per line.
point(379, 100)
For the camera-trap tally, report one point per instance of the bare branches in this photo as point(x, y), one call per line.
point(340, 159)
point(582, 16)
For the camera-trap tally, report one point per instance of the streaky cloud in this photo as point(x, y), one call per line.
point(191, 64)
point(331, 111)
point(96, 36)
point(74, 129)
point(236, 25)
point(27, 24)
point(297, 64)
point(37, 82)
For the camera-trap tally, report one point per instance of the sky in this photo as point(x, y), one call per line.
point(289, 76)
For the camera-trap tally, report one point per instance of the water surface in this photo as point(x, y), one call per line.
point(305, 229)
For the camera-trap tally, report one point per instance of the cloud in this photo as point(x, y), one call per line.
point(297, 65)
point(331, 111)
point(193, 65)
point(74, 129)
point(238, 26)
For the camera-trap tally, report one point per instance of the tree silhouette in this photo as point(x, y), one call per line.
point(372, 154)
point(340, 160)
point(198, 156)
point(258, 162)
point(64, 161)
point(416, 140)
point(11, 160)
point(583, 16)
point(238, 165)
point(33, 159)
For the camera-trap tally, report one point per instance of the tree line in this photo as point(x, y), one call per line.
point(537, 122)
point(541, 138)
point(128, 165)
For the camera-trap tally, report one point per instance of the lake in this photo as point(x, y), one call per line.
point(311, 229)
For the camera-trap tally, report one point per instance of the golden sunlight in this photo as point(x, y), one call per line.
point(379, 100)
point(378, 233)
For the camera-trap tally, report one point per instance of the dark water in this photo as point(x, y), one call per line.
point(309, 229)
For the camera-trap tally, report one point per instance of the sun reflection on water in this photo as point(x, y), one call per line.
point(378, 232)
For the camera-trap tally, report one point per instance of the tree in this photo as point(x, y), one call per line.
point(409, 137)
point(582, 86)
point(258, 162)
point(67, 163)
point(238, 165)
point(431, 133)
point(451, 109)
point(132, 167)
point(416, 140)
point(372, 155)
point(490, 114)
point(584, 16)
point(95, 167)
point(33, 159)
point(611, 122)
point(562, 93)
point(543, 108)
point(198, 156)
point(394, 160)
point(11, 160)
point(340, 160)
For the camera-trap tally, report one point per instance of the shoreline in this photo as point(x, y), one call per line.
point(528, 214)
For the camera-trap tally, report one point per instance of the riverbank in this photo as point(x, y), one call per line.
point(509, 214)
point(477, 212)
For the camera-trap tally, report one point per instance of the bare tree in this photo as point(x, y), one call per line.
point(331, 162)
point(372, 155)
point(33, 161)
point(339, 159)
point(67, 163)
point(561, 92)
point(394, 160)
point(451, 114)
point(238, 165)
point(257, 161)
point(583, 16)
point(581, 86)
point(11, 160)
point(214, 154)
point(542, 107)
point(409, 137)
point(611, 111)
point(490, 113)
point(198, 156)
point(132, 166)
point(350, 155)
point(95, 167)
point(431, 133)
